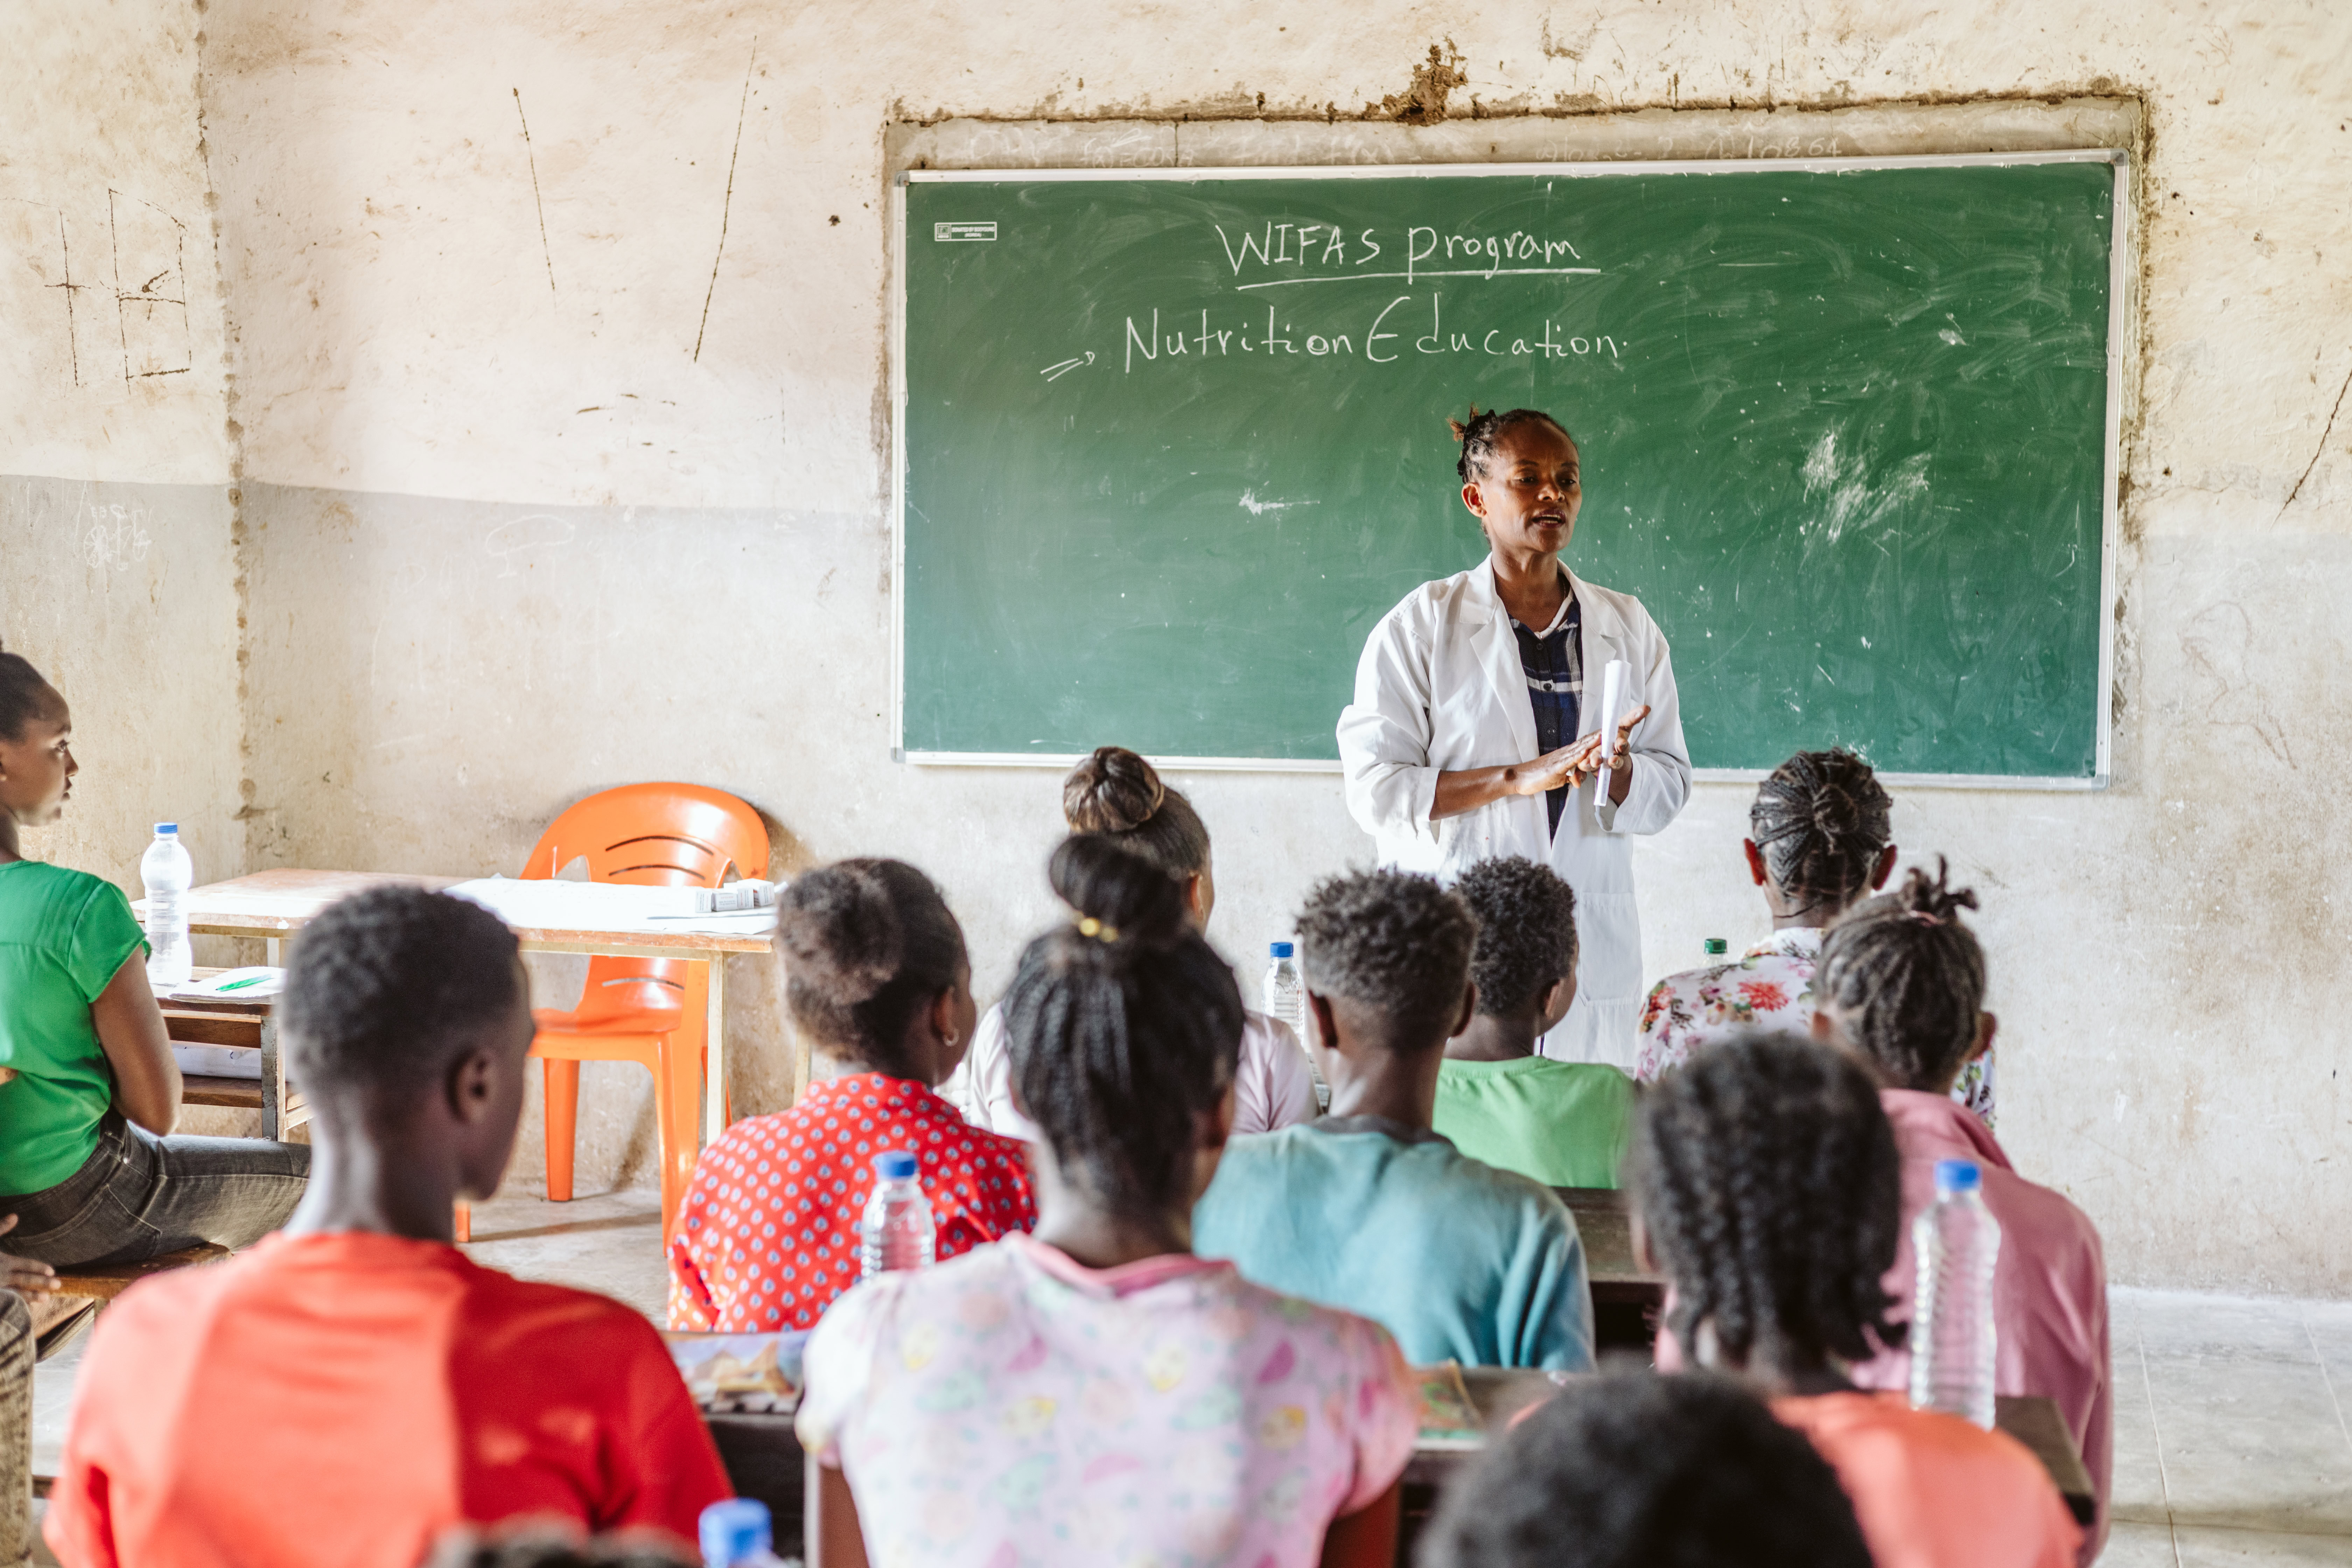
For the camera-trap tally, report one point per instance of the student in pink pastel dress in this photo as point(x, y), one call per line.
point(1902, 985)
point(1820, 841)
point(1094, 1393)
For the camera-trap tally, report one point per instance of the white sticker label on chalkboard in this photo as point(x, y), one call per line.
point(963, 231)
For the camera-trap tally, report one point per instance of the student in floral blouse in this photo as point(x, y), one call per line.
point(879, 983)
point(1096, 1394)
point(1821, 842)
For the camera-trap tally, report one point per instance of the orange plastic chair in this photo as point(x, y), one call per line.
point(644, 1010)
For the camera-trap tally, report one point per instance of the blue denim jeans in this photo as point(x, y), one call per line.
point(138, 1196)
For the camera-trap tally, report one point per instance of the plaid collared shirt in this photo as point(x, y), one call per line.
point(1554, 662)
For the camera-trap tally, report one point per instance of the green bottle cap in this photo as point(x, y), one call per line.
point(1716, 944)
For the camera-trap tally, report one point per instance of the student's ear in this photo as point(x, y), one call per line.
point(1323, 1030)
point(473, 1085)
point(1986, 1025)
point(1557, 1001)
point(1469, 1008)
point(1825, 1029)
point(1212, 1128)
point(1756, 863)
point(1885, 869)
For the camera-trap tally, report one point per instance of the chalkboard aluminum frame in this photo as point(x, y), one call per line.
point(2122, 241)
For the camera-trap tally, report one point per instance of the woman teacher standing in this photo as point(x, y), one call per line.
point(1469, 736)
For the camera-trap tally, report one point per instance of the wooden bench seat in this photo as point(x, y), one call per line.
point(105, 1282)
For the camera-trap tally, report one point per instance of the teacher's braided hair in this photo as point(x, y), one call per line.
point(1479, 433)
point(24, 695)
point(1821, 821)
point(1907, 980)
point(1124, 1027)
point(1767, 1176)
point(868, 943)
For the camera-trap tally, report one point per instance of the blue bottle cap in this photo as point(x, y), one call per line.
point(734, 1530)
point(1956, 1176)
point(167, 827)
point(895, 1166)
point(1280, 949)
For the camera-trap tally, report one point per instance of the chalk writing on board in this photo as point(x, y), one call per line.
point(117, 538)
point(1055, 372)
point(1381, 344)
point(1506, 254)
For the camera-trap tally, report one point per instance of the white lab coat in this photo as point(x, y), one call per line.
point(1440, 688)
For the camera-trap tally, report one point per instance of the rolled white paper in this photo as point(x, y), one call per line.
point(1612, 700)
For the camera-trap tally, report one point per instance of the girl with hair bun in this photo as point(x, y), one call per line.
point(1096, 1393)
point(1122, 797)
point(1820, 840)
point(877, 978)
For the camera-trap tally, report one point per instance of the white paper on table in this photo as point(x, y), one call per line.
point(255, 982)
point(1612, 702)
point(553, 905)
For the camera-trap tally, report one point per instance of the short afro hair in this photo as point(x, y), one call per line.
point(1629, 1469)
point(1527, 933)
point(387, 987)
point(1767, 1174)
point(1393, 942)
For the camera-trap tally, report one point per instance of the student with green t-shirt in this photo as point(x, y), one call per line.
point(88, 1092)
point(1565, 1123)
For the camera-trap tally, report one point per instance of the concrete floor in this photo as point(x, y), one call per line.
point(2231, 1442)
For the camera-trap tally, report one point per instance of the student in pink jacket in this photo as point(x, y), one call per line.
point(1901, 985)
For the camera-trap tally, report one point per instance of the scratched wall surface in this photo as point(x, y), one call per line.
point(561, 362)
point(116, 556)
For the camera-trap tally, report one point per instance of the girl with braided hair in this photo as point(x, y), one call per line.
point(1095, 1392)
point(1820, 840)
point(879, 983)
point(1120, 796)
point(1901, 985)
point(1767, 1188)
point(1475, 730)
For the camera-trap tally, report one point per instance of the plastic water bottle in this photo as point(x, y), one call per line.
point(1285, 999)
point(738, 1533)
point(1958, 1242)
point(895, 1232)
point(168, 874)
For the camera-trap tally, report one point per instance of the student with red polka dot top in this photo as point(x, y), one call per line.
point(877, 978)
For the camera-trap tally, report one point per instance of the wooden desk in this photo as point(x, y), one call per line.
point(1626, 1297)
point(239, 1026)
point(273, 905)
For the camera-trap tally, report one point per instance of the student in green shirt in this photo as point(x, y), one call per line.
point(1370, 1208)
point(88, 1092)
point(1564, 1123)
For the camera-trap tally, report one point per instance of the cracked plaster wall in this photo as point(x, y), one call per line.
point(538, 500)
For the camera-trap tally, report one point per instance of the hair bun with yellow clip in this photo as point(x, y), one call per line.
point(1101, 931)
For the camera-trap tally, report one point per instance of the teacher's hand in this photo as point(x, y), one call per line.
point(1570, 765)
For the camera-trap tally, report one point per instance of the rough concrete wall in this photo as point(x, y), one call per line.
point(488, 326)
point(117, 557)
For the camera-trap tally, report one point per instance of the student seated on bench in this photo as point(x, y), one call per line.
point(346, 1389)
point(1370, 1208)
point(1902, 985)
point(1629, 1469)
point(1770, 1192)
point(1096, 1394)
point(1564, 1124)
point(88, 1092)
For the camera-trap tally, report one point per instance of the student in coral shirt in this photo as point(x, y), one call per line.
point(346, 1389)
point(1096, 1394)
point(1628, 1470)
point(878, 979)
point(1769, 1191)
point(1902, 985)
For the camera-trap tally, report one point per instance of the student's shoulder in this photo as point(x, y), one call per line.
point(1470, 1180)
point(1350, 1334)
point(553, 1320)
point(63, 894)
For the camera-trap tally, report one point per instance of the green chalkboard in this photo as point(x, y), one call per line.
point(1169, 447)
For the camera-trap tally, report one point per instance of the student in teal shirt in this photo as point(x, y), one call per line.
point(1370, 1208)
point(1566, 1124)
